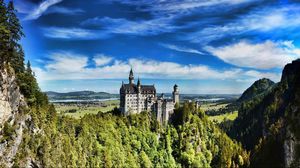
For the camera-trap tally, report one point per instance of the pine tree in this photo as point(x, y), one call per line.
point(18, 63)
point(4, 32)
point(15, 51)
point(28, 69)
point(14, 25)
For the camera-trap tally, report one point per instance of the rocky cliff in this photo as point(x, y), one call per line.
point(10, 97)
point(12, 121)
point(291, 139)
point(269, 125)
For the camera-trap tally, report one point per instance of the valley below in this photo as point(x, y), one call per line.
point(82, 104)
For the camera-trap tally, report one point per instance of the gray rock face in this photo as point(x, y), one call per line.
point(10, 102)
point(10, 97)
point(289, 149)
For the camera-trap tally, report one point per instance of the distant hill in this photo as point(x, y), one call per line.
point(269, 125)
point(258, 88)
point(80, 95)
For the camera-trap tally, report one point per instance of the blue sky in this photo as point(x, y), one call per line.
point(213, 46)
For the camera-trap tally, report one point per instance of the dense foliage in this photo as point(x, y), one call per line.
point(258, 88)
point(12, 55)
point(267, 121)
point(108, 139)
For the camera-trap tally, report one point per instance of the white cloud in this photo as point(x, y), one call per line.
point(136, 27)
point(41, 8)
point(172, 70)
point(262, 20)
point(68, 66)
point(102, 59)
point(264, 55)
point(64, 10)
point(67, 62)
point(73, 33)
point(164, 15)
point(273, 18)
point(182, 49)
point(179, 6)
point(188, 5)
point(105, 27)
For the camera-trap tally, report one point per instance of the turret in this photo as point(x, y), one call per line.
point(139, 85)
point(175, 94)
point(131, 77)
point(175, 88)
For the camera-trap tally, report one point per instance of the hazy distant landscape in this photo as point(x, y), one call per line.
point(90, 96)
point(77, 104)
point(80, 96)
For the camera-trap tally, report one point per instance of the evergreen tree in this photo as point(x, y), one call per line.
point(15, 51)
point(28, 69)
point(18, 62)
point(4, 32)
point(14, 26)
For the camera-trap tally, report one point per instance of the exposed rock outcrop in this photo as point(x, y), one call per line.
point(11, 101)
point(10, 97)
point(290, 146)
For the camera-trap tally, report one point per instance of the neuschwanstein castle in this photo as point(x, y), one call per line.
point(135, 98)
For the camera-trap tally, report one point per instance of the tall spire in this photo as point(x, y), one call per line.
point(131, 72)
point(131, 77)
point(139, 82)
point(139, 87)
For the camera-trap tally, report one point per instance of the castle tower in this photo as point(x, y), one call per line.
point(131, 77)
point(139, 85)
point(139, 95)
point(122, 99)
point(175, 94)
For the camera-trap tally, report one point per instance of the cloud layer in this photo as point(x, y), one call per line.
point(101, 59)
point(182, 49)
point(41, 8)
point(73, 33)
point(108, 68)
point(265, 21)
point(264, 55)
point(224, 41)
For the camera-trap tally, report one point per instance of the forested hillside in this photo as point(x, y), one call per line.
point(268, 125)
point(34, 135)
point(258, 88)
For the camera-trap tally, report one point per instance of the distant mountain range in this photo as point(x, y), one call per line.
point(80, 95)
point(91, 95)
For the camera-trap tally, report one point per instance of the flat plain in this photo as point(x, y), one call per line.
point(79, 110)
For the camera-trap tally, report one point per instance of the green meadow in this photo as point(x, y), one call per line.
point(221, 118)
point(78, 111)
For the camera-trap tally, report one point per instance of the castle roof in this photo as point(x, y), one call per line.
point(133, 89)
